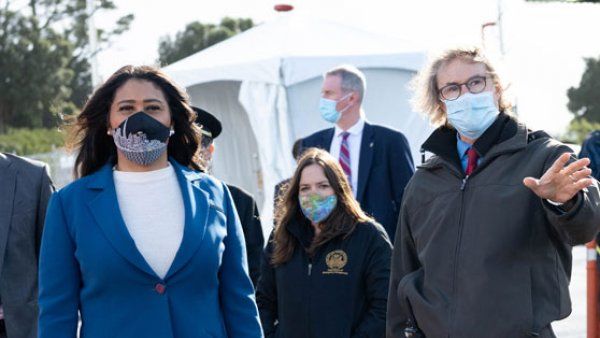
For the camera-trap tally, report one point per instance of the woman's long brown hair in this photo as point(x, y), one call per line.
point(89, 132)
point(342, 221)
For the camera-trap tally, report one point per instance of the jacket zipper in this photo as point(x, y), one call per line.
point(310, 264)
point(456, 252)
point(462, 187)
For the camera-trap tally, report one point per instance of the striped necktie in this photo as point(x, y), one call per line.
point(345, 156)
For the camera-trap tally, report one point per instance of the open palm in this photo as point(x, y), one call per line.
point(561, 182)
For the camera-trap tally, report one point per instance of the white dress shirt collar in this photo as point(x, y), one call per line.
point(356, 129)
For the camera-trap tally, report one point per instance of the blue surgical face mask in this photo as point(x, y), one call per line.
point(328, 111)
point(471, 114)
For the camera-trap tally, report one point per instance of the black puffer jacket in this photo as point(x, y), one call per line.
point(483, 256)
point(341, 292)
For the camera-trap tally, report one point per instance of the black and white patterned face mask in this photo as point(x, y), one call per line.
point(141, 138)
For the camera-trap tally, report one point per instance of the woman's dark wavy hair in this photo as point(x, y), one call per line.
point(89, 131)
point(342, 220)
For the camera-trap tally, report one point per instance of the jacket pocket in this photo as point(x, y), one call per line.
point(404, 299)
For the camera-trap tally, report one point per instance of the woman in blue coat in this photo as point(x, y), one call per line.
point(142, 244)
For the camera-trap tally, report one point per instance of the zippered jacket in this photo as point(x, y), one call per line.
point(339, 292)
point(483, 256)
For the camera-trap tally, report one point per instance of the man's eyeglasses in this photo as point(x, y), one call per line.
point(475, 85)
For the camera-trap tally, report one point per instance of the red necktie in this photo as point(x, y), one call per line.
point(345, 156)
point(472, 163)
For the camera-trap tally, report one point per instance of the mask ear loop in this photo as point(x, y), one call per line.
point(343, 98)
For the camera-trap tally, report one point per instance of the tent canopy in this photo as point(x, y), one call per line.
point(291, 49)
point(268, 77)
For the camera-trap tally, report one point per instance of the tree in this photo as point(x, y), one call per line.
point(77, 32)
point(32, 68)
point(584, 101)
point(44, 70)
point(197, 36)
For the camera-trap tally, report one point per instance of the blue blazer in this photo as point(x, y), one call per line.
point(385, 167)
point(89, 264)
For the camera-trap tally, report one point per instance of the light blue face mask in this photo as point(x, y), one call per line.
point(471, 114)
point(328, 111)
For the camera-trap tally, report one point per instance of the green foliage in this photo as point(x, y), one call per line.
point(579, 129)
point(197, 36)
point(44, 52)
point(33, 76)
point(584, 101)
point(31, 141)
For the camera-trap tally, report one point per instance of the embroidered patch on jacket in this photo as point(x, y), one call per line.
point(336, 261)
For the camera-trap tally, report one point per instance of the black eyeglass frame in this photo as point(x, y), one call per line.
point(466, 84)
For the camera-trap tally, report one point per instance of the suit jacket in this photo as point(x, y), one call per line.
point(253, 235)
point(89, 263)
point(385, 167)
point(25, 188)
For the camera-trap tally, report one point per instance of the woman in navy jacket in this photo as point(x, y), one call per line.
point(326, 268)
point(100, 257)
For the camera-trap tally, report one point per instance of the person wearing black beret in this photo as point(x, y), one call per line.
point(244, 202)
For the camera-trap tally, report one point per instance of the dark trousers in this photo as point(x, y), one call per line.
point(2, 329)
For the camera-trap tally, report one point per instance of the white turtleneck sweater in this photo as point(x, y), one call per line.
point(152, 207)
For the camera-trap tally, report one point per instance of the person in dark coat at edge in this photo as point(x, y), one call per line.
point(325, 270)
point(487, 223)
point(244, 202)
point(591, 149)
point(281, 186)
point(376, 159)
point(25, 188)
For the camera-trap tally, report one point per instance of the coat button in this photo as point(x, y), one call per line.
point(160, 288)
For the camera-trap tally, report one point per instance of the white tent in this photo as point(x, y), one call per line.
point(264, 85)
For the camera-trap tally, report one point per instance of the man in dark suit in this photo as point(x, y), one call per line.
point(376, 159)
point(25, 188)
point(244, 203)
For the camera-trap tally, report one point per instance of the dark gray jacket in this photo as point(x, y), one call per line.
point(484, 256)
point(25, 188)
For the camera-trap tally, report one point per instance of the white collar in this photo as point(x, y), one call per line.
point(356, 129)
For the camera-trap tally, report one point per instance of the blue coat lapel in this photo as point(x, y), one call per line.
point(105, 209)
point(366, 158)
point(196, 202)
